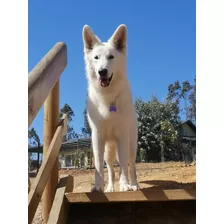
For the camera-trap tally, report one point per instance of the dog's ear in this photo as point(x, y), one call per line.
point(119, 37)
point(89, 38)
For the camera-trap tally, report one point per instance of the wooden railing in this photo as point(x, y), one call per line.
point(43, 88)
point(43, 78)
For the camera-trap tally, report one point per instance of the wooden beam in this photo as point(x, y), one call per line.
point(132, 196)
point(60, 208)
point(51, 117)
point(41, 179)
point(43, 78)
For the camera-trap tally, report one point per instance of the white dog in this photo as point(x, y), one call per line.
point(110, 110)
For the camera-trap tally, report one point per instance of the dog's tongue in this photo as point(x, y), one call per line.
point(104, 82)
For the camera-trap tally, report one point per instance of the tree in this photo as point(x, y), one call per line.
point(33, 137)
point(192, 100)
point(157, 128)
point(33, 141)
point(66, 109)
point(186, 93)
point(86, 130)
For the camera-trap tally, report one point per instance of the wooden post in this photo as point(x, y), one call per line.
point(29, 183)
point(91, 159)
point(51, 120)
point(181, 150)
point(60, 207)
point(45, 171)
point(162, 152)
point(38, 158)
point(192, 150)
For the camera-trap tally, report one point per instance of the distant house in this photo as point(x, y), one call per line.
point(187, 134)
point(75, 153)
point(187, 129)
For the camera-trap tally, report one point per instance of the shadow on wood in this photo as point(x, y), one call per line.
point(133, 196)
point(168, 184)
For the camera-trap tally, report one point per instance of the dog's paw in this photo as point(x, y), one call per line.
point(110, 188)
point(134, 187)
point(97, 188)
point(125, 187)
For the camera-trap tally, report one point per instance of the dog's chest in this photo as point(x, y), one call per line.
point(109, 112)
point(110, 121)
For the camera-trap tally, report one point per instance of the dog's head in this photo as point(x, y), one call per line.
point(106, 60)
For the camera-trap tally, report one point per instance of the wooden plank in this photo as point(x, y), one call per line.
point(41, 179)
point(60, 208)
point(51, 116)
point(43, 78)
point(132, 196)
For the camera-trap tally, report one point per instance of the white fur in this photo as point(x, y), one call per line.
point(114, 134)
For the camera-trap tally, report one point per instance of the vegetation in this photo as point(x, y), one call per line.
point(158, 123)
point(184, 93)
point(157, 129)
point(86, 131)
point(66, 109)
point(33, 140)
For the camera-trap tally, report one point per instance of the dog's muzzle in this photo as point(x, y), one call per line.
point(105, 82)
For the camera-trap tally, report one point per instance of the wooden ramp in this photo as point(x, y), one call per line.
point(174, 206)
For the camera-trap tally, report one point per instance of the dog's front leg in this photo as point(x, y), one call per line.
point(98, 144)
point(123, 162)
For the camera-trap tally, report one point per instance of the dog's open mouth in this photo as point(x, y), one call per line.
point(105, 82)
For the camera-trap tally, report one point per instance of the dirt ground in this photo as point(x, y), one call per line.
point(168, 175)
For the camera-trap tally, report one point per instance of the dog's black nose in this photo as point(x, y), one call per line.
point(103, 72)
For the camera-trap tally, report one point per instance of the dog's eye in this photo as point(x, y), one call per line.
point(111, 57)
point(96, 57)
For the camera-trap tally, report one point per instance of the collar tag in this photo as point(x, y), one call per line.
point(113, 107)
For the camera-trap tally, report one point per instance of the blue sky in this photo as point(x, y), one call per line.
point(161, 43)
